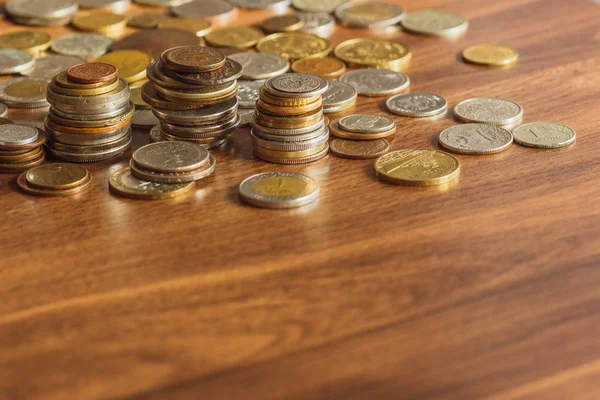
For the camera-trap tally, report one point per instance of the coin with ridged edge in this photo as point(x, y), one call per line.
point(475, 139)
point(488, 110)
point(279, 190)
point(124, 184)
point(260, 65)
point(416, 104)
point(544, 135)
point(414, 167)
point(366, 123)
point(171, 157)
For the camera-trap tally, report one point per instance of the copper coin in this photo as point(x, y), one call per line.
point(21, 158)
point(230, 71)
point(156, 41)
point(328, 67)
point(193, 59)
point(92, 73)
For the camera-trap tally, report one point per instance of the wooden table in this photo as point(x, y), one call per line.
point(484, 289)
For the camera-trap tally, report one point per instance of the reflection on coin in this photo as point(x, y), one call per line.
point(131, 64)
point(338, 94)
point(369, 14)
point(126, 185)
point(475, 139)
point(327, 6)
point(17, 135)
point(488, 110)
point(239, 37)
point(374, 53)
point(544, 135)
point(297, 85)
point(41, 9)
point(85, 45)
point(490, 54)
point(171, 157)
point(294, 45)
point(260, 65)
point(416, 104)
point(215, 10)
point(328, 67)
point(277, 6)
point(279, 190)
point(417, 167)
point(435, 22)
point(317, 23)
point(117, 6)
point(359, 149)
point(376, 82)
point(248, 93)
point(282, 23)
point(57, 176)
point(50, 66)
point(366, 123)
point(13, 61)
point(33, 42)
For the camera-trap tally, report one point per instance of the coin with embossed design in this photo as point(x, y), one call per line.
point(416, 104)
point(294, 45)
point(215, 10)
point(85, 45)
point(147, 20)
point(366, 123)
point(359, 149)
point(171, 157)
point(124, 184)
point(33, 42)
point(338, 95)
point(57, 176)
point(296, 85)
point(488, 110)
point(475, 139)
point(17, 135)
point(260, 65)
point(239, 37)
point(328, 67)
point(373, 53)
point(279, 190)
point(92, 73)
point(24, 92)
point(13, 61)
point(199, 26)
point(283, 23)
point(435, 22)
point(414, 167)
point(193, 59)
point(490, 54)
point(544, 135)
point(318, 23)
point(369, 14)
point(248, 93)
point(131, 64)
point(376, 82)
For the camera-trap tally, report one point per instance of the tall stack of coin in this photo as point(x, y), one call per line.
point(361, 135)
point(20, 147)
point(192, 91)
point(90, 114)
point(288, 125)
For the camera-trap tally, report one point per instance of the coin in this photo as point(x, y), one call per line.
point(13, 61)
point(475, 139)
point(319, 23)
point(488, 110)
point(117, 6)
point(171, 157)
point(294, 45)
point(257, 66)
point(193, 59)
point(24, 92)
point(326, 6)
point(3, 110)
point(369, 14)
point(162, 3)
point(200, 116)
point(173, 177)
point(315, 143)
point(92, 73)
point(359, 149)
point(238, 37)
point(283, 23)
point(279, 190)
point(248, 93)
point(17, 135)
point(376, 82)
point(85, 45)
point(41, 12)
point(57, 176)
point(296, 85)
point(544, 135)
point(199, 26)
point(373, 53)
point(416, 104)
point(131, 64)
point(490, 54)
point(338, 94)
point(336, 130)
point(124, 184)
point(328, 68)
point(26, 187)
point(245, 115)
point(33, 42)
point(230, 72)
point(144, 119)
point(146, 20)
point(49, 66)
point(417, 167)
point(435, 22)
point(215, 10)
point(277, 6)
point(107, 23)
point(366, 123)
point(156, 41)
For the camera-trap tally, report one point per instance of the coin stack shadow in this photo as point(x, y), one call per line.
point(288, 126)
point(88, 122)
point(20, 148)
point(192, 91)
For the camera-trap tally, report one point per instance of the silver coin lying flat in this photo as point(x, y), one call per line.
point(488, 110)
point(144, 119)
point(17, 135)
point(320, 24)
point(43, 9)
point(248, 93)
point(260, 65)
point(85, 45)
point(475, 139)
point(279, 190)
point(416, 104)
point(50, 66)
point(376, 82)
point(13, 61)
point(277, 6)
point(366, 123)
point(338, 94)
point(544, 135)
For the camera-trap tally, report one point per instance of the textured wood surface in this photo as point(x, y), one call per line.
point(484, 289)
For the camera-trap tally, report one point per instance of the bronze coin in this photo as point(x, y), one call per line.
point(26, 187)
point(92, 73)
point(156, 41)
point(150, 95)
point(230, 71)
point(21, 158)
point(193, 59)
point(359, 149)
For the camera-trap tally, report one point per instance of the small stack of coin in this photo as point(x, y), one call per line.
point(361, 135)
point(192, 91)
point(288, 125)
point(20, 148)
point(90, 114)
point(53, 180)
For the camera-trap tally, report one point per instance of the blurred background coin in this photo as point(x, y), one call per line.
point(85, 45)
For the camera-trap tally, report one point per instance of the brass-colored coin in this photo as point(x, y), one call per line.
point(295, 45)
point(26, 187)
point(193, 59)
point(289, 154)
point(283, 23)
point(146, 20)
point(493, 55)
point(417, 167)
point(294, 161)
point(25, 93)
point(29, 156)
point(136, 99)
point(359, 149)
point(86, 131)
point(336, 130)
point(107, 23)
point(109, 87)
point(57, 176)
point(285, 122)
point(123, 183)
point(267, 97)
point(279, 190)
point(292, 111)
point(33, 42)
point(235, 37)
point(544, 135)
point(199, 26)
point(328, 68)
point(131, 64)
point(373, 53)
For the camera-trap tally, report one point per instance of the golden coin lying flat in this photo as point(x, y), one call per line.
point(493, 55)
point(417, 167)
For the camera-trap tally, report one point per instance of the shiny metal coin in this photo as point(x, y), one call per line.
point(50, 66)
point(248, 93)
point(366, 123)
point(92, 123)
point(316, 6)
point(475, 139)
point(162, 3)
point(359, 149)
point(3, 110)
point(120, 93)
point(200, 116)
point(124, 184)
point(292, 138)
point(277, 145)
point(435, 22)
point(245, 115)
point(293, 85)
point(376, 82)
point(544, 135)
point(320, 24)
point(171, 157)
point(43, 9)
point(91, 113)
point(144, 119)
point(276, 6)
point(338, 94)
point(260, 65)
point(87, 140)
point(117, 6)
point(24, 92)
point(416, 104)
point(85, 45)
point(292, 131)
point(173, 177)
point(215, 10)
point(13, 61)
point(488, 110)
point(279, 190)
point(17, 135)
point(369, 14)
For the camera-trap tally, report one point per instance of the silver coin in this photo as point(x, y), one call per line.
point(245, 115)
point(199, 116)
point(248, 93)
point(279, 190)
point(290, 132)
point(41, 21)
point(544, 135)
point(144, 119)
point(212, 9)
point(122, 92)
point(435, 22)
point(85, 45)
point(416, 104)
point(202, 132)
point(366, 123)
point(277, 6)
point(3, 110)
point(172, 177)
point(315, 6)
point(260, 65)
point(17, 135)
point(338, 94)
point(117, 6)
point(37, 97)
point(155, 134)
point(376, 82)
point(320, 24)
point(89, 157)
point(475, 139)
point(296, 85)
point(13, 61)
point(488, 110)
point(287, 145)
point(90, 112)
point(379, 14)
point(89, 148)
point(170, 157)
point(92, 123)
point(162, 3)
point(50, 66)
point(87, 140)
point(45, 9)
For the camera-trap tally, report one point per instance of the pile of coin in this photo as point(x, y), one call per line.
point(53, 180)
point(20, 147)
point(361, 136)
point(288, 126)
point(192, 91)
point(90, 114)
point(41, 13)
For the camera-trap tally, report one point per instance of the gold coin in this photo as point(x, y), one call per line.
point(544, 135)
point(33, 42)
point(286, 101)
point(124, 184)
point(236, 37)
point(373, 53)
point(199, 26)
point(289, 154)
point(297, 110)
point(490, 54)
point(146, 20)
point(294, 45)
point(417, 167)
point(359, 149)
point(131, 64)
point(136, 99)
point(328, 68)
point(27, 89)
point(57, 176)
point(283, 23)
point(103, 22)
point(108, 87)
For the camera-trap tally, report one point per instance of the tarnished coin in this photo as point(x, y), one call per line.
point(295, 45)
point(214, 10)
point(283, 23)
point(124, 184)
point(279, 190)
point(376, 82)
point(28, 188)
point(24, 92)
point(48, 67)
point(41, 9)
point(248, 93)
point(338, 94)
point(144, 119)
point(193, 59)
point(85, 45)
point(544, 135)
point(435, 22)
point(328, 67)
point(198, 26)
point(359, 149)
point(490, 54)
point(317, 23)
point(366, 123)
point(33, 42)
point(171, 157)
point(57, 176)
point(369, 14)
point(260, 66)
point(296, 85)
point(374, 53)
point(17, 135)
point(238, 37)
point(475, 139)
point(416, 104)
point(413, 167)
point(3, 110)
point(488, 110)
point(146, 20)
point(315, 6)
point(13, 61)
point(117, 6)
point(92, 73)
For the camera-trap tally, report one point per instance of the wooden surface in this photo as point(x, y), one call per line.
point(485, 289)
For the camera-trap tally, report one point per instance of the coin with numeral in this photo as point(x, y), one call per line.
point(544, 135)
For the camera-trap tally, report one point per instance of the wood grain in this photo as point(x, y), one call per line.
point(483, 289)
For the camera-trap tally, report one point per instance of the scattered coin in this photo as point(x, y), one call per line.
point(319, 23)
point(544, 135)
point(124, 184)
point(366, 123)
point(283, 23)
point(198, 26)
point(193, 59)
point(171, 157)
point(488, 110)
point(490, 54)
point(146, 20)
point(376, 82)
point(24, 92)
point(417, 167)
point(315, 6)
point(131, 64)
point(217, 11)
point(41, 12)
point(52, 180)
point(103, 22)
point(85, 45)
point(17, 135)
point(49, 66)
point(276, 6)
point(294, 45)
point(278, 190)
point(236, 37)
point(13, 61)
point(475, 139)
point(435, 22)
point(257, 66)
point(33, 42)
point(416, 104)
point(374, 53)
point(369, 14)
point(296, 85)
point(248, 93)
point(359, 149)
point(118, 6)
point(339, 97)
point(328, 68)
point(3, 110)
point(156, 41)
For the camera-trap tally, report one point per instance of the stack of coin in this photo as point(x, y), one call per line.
point(53, 180)
point(41, 13)
point(90, 114)
point(361, 135)
point(288, 126)
point(192, 91)
point(20, 147)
